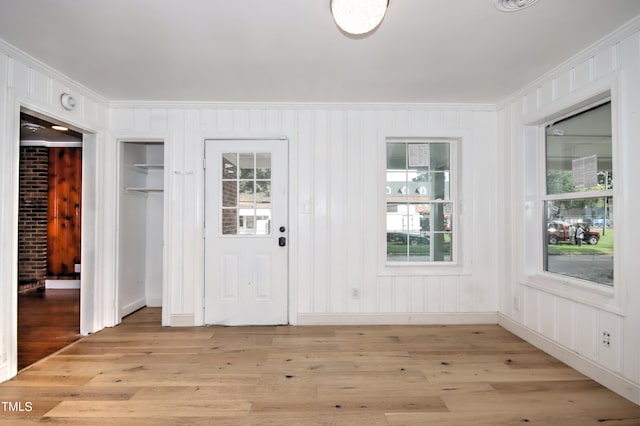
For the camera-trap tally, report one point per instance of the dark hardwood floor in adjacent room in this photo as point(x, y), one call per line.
point(47, 321)
point(140, 373)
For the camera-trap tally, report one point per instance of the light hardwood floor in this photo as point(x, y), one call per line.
point(140, 373)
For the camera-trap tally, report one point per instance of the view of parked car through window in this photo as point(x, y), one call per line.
point(578, 204)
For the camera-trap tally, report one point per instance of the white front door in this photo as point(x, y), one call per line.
point(246, 232)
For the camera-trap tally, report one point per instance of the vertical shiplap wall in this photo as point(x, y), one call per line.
point(335, 171)
point(8, 260)
point(563, 318)
point(25, 82)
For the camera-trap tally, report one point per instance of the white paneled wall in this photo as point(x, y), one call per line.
point(566, 321)
point(335, 171)
point(27, 83)
point(336, 211)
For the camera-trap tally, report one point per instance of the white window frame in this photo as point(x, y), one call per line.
point(604, 297)
point(458, 264)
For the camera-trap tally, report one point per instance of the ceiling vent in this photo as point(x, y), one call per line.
point(514, 5)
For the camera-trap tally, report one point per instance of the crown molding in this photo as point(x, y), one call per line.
point(626, 30)
point(374, 106)
point(15, 53)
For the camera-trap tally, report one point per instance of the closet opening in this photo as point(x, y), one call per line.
point(140, 225)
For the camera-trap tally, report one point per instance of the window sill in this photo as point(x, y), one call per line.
point(595, 295)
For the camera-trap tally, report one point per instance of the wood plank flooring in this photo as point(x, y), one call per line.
point(47, 321)
point(140, 373)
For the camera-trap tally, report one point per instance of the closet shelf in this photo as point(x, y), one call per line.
point(149, 165)
point(144, 189)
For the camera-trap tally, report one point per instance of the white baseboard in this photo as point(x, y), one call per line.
point(154, 302)
point(182, 320)
point(398, 319)
point(607, 378)
point(132, 307)
point(4, 372)
point(62, 284)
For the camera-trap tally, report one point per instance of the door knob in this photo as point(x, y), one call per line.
point(282, 229)
point(282, 241)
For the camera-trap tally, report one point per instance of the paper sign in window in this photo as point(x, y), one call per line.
point(585, 171)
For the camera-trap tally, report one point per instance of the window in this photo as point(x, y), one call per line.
point(419, 201)
point(578, 200)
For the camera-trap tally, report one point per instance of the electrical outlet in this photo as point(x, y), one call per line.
point(355, 293)
point(606, 338)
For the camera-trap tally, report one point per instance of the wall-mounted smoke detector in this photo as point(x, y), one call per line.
point(514, 5)
point(68, 102)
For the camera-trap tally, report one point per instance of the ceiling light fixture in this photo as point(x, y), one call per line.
point(32, 127)
point(358, 17)
point(513, 5)
point(60, 128)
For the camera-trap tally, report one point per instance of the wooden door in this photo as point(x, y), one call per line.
point(64, 211)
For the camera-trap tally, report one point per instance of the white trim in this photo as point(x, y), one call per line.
point(96, 288)
point(391, 318)
point(610, 39)
point(132, 307)
point(9, 227)
point(593, 94)
point(62, 284)
point(15, 53)
point(461, 245)
point(585, 292)
point(154, 302)
point(577, 195)
point(157, 138)
point(48, 144)
point(4, 372)
point(607, 378)
point(182, 320)
point(483, 107)
point(582, 291)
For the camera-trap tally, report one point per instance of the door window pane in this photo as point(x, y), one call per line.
point(229, 193)
point(263, 193)
point(247, 166)
point(263, 166)
point(246, 199)
point(229, 221)
point(229, 166)
point(246, 196)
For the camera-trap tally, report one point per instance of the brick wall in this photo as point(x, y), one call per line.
point(229, 198)
point(32, 217)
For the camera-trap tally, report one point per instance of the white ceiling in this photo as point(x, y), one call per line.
point(291, 51)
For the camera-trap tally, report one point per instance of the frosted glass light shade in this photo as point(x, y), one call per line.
point(358, 16)
point(513, 5)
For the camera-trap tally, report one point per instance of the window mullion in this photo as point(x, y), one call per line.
point(577, 195)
